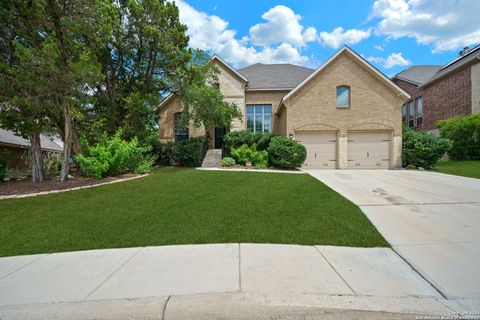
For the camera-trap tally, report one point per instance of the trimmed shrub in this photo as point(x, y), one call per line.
point(113, 156)
point(236, 139)
point(260, 159)
point(228, 162)
point(3, 169)
point(285, 153)
point(189, 153)
point(243, 153)
point(422, 149)
point(263, 140)
point(464, 131)
point(165, 153)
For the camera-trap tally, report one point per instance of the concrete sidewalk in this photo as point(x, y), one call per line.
point(168, 280)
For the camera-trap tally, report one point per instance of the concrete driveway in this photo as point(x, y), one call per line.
point(432, 221)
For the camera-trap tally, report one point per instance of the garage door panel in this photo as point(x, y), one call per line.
point(369, 150)
point(321, 149)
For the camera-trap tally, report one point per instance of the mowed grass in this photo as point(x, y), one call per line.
point(186, 206)
point(460, 168)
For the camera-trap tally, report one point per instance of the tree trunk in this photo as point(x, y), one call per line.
point(38, 174)
point(67, 144)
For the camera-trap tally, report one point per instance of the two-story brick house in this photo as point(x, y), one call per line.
point(441, 92)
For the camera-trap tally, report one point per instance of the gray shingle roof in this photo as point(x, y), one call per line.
point(418, 74)
point(274, 76)
point(9, 138)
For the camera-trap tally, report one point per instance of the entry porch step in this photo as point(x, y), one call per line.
point(212, 158)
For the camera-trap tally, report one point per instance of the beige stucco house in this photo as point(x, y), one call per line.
point(346, 112)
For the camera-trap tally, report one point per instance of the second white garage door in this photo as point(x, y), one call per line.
point(321, 149)
point(369, 150)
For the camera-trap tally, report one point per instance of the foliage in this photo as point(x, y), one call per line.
point(242, 154)
point(165, 153)
point(422, 149)
point(235, 139)
point(3, 169)
point(143, 58)
point(113, 156)
point(228, 162)
point(285, 153)
point(246, 153)
point(189, 153)
point(53, 163)
point(464, 131)
point(198, 88)
point(263, 140)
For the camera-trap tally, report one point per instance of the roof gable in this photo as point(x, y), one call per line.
point(347, 50)
point(228, 67)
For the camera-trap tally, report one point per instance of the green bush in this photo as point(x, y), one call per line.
point(246, 153)
point(422, 149)
point(228, 162)
point(113, 155)
point(189, 153)
point(165, 153)
point(3, 169)
point(260, 159)
point(285, 153)
point(236, 139)
point(243, 153)
point(464, 131)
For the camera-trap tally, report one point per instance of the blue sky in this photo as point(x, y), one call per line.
point(392, 34)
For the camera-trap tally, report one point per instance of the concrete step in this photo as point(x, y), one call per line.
point(212, 158)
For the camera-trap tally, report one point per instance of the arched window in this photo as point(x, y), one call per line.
point(343, 96)
point(181, 132)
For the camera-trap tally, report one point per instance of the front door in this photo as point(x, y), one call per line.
point(219, 133)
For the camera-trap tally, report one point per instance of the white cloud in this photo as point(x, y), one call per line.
point(393, 60)
point(378, 47)
point(445, 24)
point(282, 25)
point(338, 37)
point(211, 33)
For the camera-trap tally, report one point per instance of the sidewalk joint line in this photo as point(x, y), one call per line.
point(114, 272)
point(420, 274)
point(338, 273)
point(24, 266)
point(165, 307)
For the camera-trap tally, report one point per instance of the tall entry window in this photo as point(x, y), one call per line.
point(419, 113)
point(259, 118)
point(181, 132)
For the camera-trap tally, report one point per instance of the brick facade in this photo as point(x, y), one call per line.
point(445, 98)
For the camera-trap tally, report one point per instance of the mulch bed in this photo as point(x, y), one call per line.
point(26, 186)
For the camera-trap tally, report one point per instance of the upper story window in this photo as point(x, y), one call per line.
point(419, 112)
point(343, 96)
point(180, 131)
point(259, 118)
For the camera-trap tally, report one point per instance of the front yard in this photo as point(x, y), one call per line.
point(181, 206)
point(460, 168)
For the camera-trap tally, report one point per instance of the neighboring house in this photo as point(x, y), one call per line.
point(346, 112)
point(16, 149)
point(441, 92)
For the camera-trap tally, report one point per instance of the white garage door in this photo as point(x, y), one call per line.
point(321, 149)
point(369, 150)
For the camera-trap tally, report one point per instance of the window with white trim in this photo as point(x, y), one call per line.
point(343, 97)
point(259, 118)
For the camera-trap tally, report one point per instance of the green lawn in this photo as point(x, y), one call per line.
point(459, 168)
point(180, 206)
